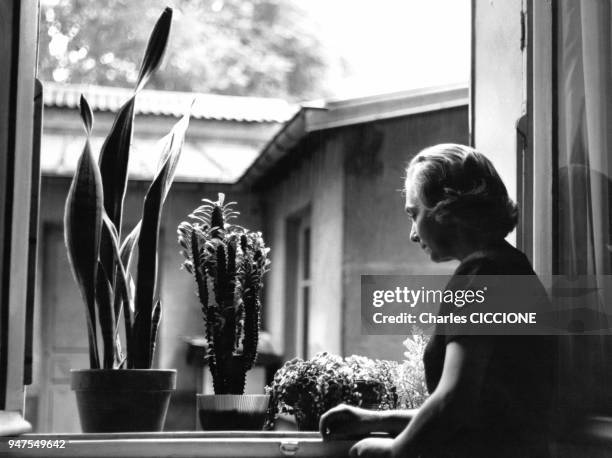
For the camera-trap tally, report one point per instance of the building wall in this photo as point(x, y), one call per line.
point(60, 340)
point(376, 228)
point(313, 184)
point(352, 185)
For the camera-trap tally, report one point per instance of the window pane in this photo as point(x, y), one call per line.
point(584, 139)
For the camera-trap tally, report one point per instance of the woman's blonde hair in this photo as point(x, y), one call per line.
point(461, 188)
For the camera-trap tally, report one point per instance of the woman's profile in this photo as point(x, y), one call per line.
point(490, 395)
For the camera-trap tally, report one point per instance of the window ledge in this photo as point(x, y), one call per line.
point(594, 435)
point(12, 423)
point(181, 445)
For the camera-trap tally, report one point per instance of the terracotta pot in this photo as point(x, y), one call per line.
point(226, 412)
point(123, 400)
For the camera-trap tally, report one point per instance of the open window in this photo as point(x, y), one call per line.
point(547, 111)
point(19, 136)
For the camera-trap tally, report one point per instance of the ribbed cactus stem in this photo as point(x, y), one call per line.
point(228, 295)
point(251, 327)
point(221, 275)
point(228, 263)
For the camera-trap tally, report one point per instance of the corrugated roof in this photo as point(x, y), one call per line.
point(339, 113)
point(169, 103)
point(210, 162)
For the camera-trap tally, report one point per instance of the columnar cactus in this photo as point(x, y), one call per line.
point(228, 263)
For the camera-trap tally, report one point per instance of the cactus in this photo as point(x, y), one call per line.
point(228, 263)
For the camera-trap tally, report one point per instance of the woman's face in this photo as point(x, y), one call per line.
point(434, 238)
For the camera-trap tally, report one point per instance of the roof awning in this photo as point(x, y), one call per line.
point(339, 113)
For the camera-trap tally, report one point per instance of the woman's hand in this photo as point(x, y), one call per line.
point(344, 422)
point(372, 447)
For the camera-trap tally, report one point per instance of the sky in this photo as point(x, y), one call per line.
point(394, 45)
point(390, 45)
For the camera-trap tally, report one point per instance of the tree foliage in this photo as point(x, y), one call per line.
point(235, 47)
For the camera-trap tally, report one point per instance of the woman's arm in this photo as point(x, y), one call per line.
point(393, 421)
point(450, 406)
point(346, 421)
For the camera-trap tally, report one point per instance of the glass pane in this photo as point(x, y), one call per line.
point(584, 139)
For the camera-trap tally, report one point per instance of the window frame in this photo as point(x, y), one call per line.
point(19, 47)
point(19, 36)
point(541, 143)
point(594, 432)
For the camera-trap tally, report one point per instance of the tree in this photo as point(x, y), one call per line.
point(235, 47)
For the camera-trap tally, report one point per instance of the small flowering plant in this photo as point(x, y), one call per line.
point(410, 375)
point(307, 389)
point(375, 381)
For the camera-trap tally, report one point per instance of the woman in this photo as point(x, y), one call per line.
point(490, 395)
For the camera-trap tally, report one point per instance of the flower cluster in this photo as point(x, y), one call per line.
point(307, 389)
point(410, 375)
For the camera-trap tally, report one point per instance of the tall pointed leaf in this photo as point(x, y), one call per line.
point(157, 312)
point(122, 295)
point(125, 256)
point(82, 229)
point(171, 150)
point(115, 152)
point(127, 247)
point(106, 317)
point(146, 268)
point(86, 114)
point(155, 48)
point(114, 158)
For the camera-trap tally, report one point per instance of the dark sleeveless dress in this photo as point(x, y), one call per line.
point(513, 415)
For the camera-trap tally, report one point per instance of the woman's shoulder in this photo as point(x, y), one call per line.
point(498, 259)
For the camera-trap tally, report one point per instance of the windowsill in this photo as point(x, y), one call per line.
point(182, 444)
point(12, 423)
point(595, 435)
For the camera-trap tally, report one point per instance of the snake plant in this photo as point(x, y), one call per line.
point(100, 260)
point(228, 263)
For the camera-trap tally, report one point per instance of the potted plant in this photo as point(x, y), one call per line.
point(307, 389)
point(120, 391)
point(375, 382)
point(228, 263)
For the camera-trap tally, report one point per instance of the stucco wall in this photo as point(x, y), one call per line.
point(314, 182)
point(376, 229)
point(352, 185)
